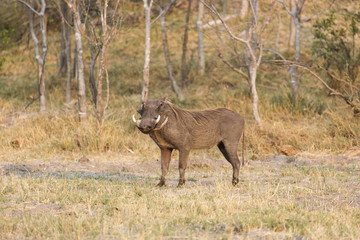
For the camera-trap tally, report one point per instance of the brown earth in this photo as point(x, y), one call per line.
point(200, 171)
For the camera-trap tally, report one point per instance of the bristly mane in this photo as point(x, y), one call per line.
point(198, 117)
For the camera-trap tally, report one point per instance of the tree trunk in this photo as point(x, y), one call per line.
point(278, 31)
point(244, 8)
point(62, 59)
point(93, 88)
point(251, 49)
point(201, 56)
point(99, 103)
point(291, 26)
point(75, 71)
point(40, 59)
point(184, 47)
point(293, 70)
point(65, 56)
point(92, 65)
point(146, 70)
point(173, 82)
point(68, 68)
point(80, 65)
point(255, 98)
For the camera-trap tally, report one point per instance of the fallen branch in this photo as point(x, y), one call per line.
point(31, 102)
point(216, 22)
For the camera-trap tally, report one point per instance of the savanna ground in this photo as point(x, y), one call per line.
point(48, 191)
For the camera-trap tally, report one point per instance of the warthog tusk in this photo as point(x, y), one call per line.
point(162, 125)
point(157, 120)
point(137, 122)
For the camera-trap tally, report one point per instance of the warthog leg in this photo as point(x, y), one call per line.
point(165, 162)
point(183, 159)
point(229, 150)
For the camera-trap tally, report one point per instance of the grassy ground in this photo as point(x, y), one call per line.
point(46, 193)
point(279, 197)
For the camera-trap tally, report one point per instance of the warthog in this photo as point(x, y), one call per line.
point(174, 128)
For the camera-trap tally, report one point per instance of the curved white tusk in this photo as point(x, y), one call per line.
point(162, 124)
point(157, 120)
point(137, 122)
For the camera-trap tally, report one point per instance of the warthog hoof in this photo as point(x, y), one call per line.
point(235, 181)
point(161, 183)
point(181, 183)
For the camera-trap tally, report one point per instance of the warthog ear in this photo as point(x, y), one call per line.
point(141, 110)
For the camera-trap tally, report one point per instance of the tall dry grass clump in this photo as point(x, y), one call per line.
point(60, 132)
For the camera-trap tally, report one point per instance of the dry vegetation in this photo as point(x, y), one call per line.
point(45, 193)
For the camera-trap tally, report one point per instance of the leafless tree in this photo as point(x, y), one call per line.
point(175, 87)
point(200, 31)
point(106, 35)
point(295, 14)
point(94, 53)
point(148, 23)
point(65, 56)
point(81, 92)
point(253, 43)
point(184, 46)
point(146, 69)
point(99, 36)
point(40, 59)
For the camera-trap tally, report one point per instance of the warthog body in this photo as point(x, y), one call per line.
point(174, 128)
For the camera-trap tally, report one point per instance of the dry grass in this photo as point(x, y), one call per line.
point(277, 198)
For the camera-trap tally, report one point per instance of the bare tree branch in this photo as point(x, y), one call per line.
point(287, 9)
point(214, 11)
point(339, 79)
point(31, 8)
point(232, 67)
point(163, 11)
point(307, 68)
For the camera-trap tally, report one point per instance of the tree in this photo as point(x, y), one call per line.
point(200, 31)
point(106, 35)
point(175, 87)
point(99, 36)
point(146, 69)
point(295, 14)
point(184, 47)
point(65, 56)
point(40, 59)
point(81, 92)
point(253, 43)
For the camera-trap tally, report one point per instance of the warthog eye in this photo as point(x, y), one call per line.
point(160, 105)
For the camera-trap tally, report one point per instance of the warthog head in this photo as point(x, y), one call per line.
point(152, 115)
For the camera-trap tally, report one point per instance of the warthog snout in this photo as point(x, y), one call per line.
point(147, 125)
